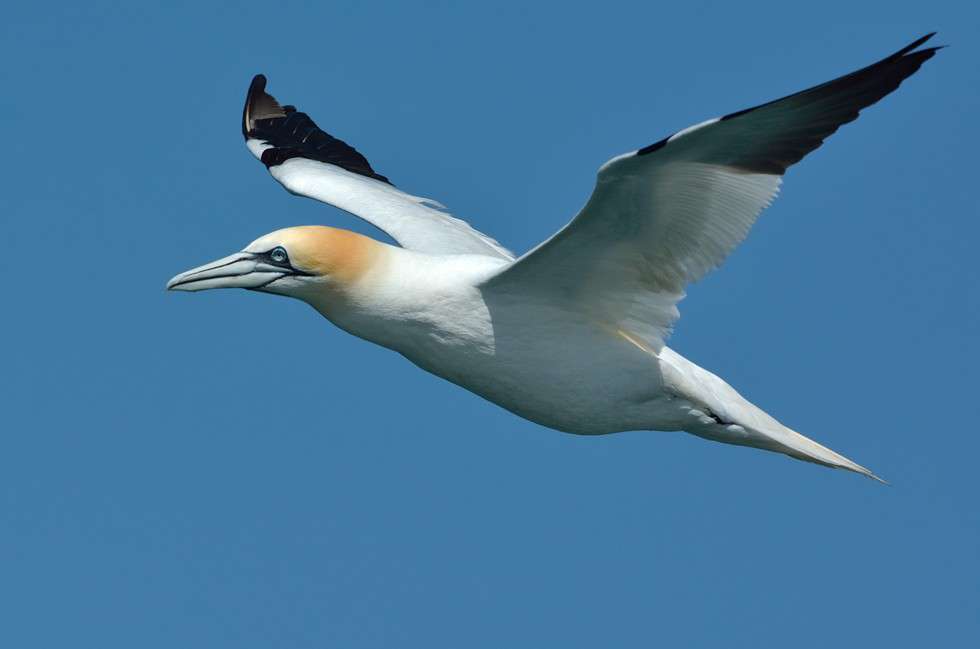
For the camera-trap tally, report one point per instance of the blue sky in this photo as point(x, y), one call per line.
point(227, 469)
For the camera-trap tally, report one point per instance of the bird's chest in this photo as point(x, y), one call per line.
point(540, 365)
point(538, 361)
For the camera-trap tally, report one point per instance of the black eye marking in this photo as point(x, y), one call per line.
point(279, 257)
point(275, 257)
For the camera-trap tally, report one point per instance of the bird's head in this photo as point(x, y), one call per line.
point(301, 262)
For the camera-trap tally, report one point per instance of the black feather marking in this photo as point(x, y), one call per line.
point(884, 70)
point(294, 134)
point(802, 121)
point(655, 146)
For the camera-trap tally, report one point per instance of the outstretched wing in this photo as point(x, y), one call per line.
point(665, 215)
point(310, 162)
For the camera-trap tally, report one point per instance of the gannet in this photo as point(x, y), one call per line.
point(571, 334)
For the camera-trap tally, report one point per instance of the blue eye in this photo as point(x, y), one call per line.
point(279, 255)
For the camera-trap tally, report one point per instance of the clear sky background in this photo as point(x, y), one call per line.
point(226, 469)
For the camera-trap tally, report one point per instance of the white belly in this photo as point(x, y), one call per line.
point(568, 376)
point(536, 360)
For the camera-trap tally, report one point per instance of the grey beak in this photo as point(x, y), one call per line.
point(240, 270)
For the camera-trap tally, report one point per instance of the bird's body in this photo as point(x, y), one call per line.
point(571, 334)
point(539, 360)
point(536, 360)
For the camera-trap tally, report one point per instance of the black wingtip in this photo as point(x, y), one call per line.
point(911, 49)
point(257, 85)
point(258, 105)
point(911, 46)
point(292, 134)
point(914, 55)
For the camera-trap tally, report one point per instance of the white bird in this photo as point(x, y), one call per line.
point(571, 334)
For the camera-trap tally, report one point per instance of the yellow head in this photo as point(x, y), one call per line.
point(296, 261)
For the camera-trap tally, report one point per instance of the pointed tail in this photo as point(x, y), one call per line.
point(773, 436)
point(799, 446)
point(721, 414)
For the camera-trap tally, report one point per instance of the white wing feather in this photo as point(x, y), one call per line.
point(310, 162)
point(661, 217)
point(416, 223)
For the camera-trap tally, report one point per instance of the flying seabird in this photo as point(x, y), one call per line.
point(571, 334)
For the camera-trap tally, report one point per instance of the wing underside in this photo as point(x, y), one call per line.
point(663, 216)
point(309, 162)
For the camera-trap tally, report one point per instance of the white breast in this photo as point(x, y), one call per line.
point(535, 359)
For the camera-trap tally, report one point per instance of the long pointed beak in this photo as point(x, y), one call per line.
point(240, 270)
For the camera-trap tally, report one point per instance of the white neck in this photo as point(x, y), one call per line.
point(413, 302)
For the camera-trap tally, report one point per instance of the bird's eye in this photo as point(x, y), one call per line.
point(278, 255)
